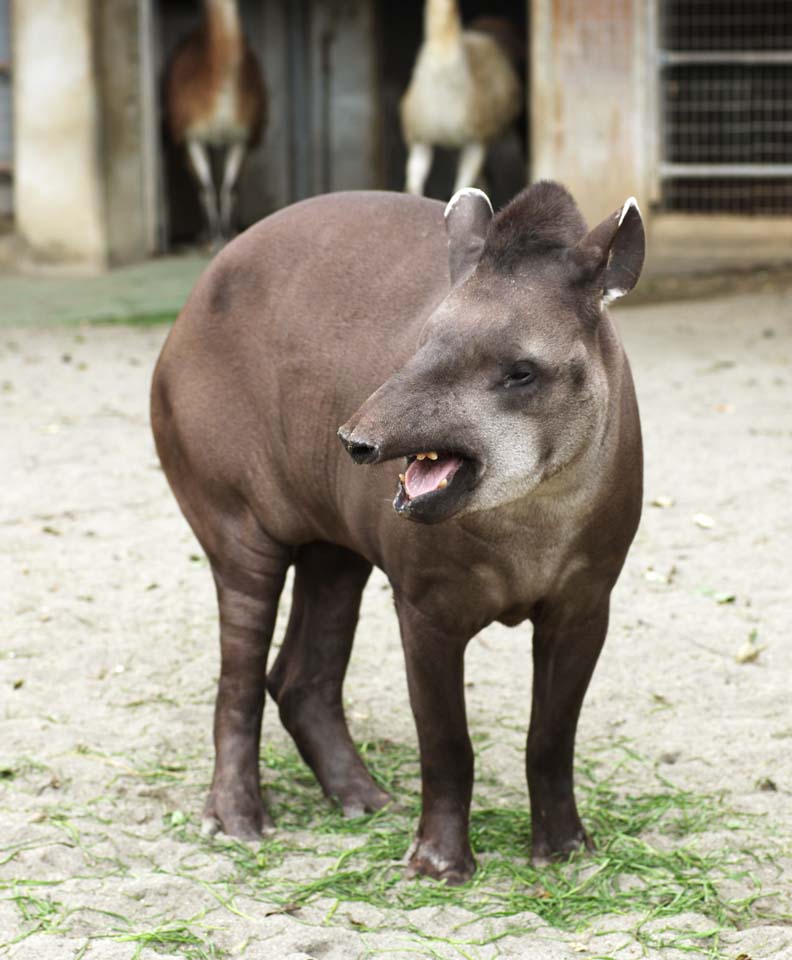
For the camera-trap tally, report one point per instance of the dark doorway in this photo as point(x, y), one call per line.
point(323, 129)
point(183, 216)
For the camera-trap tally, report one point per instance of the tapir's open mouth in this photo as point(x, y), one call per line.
point(434, 484)
point(429, 471)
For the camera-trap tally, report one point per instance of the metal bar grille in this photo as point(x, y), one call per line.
point(725, 91)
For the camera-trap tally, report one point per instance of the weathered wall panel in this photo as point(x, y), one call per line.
point(79, 159)
point(265, 182)
point(118, 56)
point(58, 194)
point(345, 98)
point(589, 99)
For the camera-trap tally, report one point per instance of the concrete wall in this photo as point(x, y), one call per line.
point(589, 100)
point(77, 122)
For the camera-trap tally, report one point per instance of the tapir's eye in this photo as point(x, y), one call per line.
point(520, 374)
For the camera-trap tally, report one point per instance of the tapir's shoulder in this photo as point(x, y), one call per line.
point(373, 253)
point(359, 241)
point(335, 215)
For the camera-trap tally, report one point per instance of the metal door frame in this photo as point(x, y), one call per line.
point(7, 167)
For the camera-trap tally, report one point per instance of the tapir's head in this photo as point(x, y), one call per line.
point(515, 370)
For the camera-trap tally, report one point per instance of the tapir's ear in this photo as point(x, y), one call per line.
point(612, 255)
point(467, 219)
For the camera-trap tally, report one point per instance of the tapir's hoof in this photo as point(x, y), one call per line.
point(425, 861)
point(544, 852)
point(211, 826)
point(360, 803)
point(247, 826)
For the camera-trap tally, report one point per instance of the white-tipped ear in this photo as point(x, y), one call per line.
point(609, 294)
point(612, 254)
point(629, 202)
point(467, 217)
point(468, 191)
point(627, 252)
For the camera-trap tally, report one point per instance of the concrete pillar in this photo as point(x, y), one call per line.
point(589, 100)
point(58, 199)
point(78, 115)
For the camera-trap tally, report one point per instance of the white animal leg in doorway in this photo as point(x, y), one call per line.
point(202, 167)
point(471, 162)
point(419, 163)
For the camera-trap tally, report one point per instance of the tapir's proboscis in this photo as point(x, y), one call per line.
point(489, 463)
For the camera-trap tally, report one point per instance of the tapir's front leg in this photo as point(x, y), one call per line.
point(435, 665)
point(566, 645)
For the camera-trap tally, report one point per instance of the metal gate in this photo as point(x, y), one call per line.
point(725, 97)
point(6, 142)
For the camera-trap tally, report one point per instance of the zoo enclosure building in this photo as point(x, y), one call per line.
point(686, 104)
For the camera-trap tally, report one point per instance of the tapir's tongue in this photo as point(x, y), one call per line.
point(423, 476)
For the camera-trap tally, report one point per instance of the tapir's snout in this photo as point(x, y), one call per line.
point(359, 450)
point(438, 473)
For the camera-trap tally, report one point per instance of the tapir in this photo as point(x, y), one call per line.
point(371, 378)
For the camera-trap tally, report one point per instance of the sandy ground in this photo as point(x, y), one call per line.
point(108, 655)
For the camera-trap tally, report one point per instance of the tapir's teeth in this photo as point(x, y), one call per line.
point(401, 477)
point(443, 484)
point(432, 455)
point(420, 456)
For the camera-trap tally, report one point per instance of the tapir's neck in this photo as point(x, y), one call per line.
point(442, 23)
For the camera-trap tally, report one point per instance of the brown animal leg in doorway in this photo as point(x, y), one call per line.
point(565, 652)
point(201, 165)
point(232, 165)
point(435, 677)
point(307, 677)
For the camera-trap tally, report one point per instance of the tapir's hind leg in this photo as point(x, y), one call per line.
point(307, 677)
point(249, 568)
point(249, 571)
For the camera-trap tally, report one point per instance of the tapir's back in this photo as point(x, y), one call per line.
point(290, 328)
